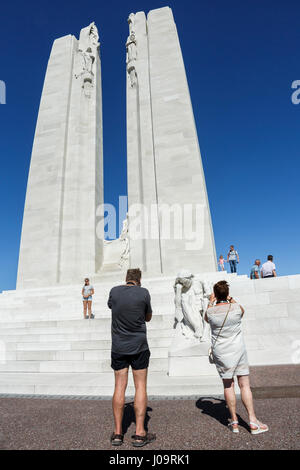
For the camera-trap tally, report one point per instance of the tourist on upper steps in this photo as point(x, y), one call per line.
point(255, 270)
point(221, 263)
point(229, 354)
point(131, 308)
point(268, 269)
point(233, 258)
point(87, 297)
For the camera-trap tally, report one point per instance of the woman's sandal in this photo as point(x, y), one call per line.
point(259, 428)
point(116, 439)
point(232, 428)
point(140, 441)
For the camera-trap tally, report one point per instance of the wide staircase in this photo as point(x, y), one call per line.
point(47, 348)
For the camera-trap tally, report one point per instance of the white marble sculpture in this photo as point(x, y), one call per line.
point(116, 252)
point(131, 51)
point(87, 52)
point(191, 296)
point(124, 239)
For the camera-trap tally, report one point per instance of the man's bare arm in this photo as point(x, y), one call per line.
point(148, 317)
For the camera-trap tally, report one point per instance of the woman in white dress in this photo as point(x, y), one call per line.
point(229, 353)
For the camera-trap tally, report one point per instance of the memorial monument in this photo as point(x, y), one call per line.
point(46, 347)
point(172, 227)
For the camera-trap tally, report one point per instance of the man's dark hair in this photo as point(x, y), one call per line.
point(134, 275)
point(270, 258)
point(221, 290)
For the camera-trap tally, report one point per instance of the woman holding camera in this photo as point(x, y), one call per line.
point(229, 354)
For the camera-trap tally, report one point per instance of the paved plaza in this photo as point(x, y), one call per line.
point(195, 423)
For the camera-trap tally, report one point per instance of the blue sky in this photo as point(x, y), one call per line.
point(241, 59)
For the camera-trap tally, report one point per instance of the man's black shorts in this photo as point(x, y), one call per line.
point(136, 361)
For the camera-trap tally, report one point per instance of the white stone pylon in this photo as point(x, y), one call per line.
point(59, 244)
point(163, 157)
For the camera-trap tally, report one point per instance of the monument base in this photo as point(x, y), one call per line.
point(46, 347)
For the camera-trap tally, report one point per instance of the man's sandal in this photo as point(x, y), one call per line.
point(140, 441)
point(233, 426)
point(259, 428)
point(116, 439)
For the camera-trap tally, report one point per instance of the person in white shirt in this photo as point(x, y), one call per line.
point(268, 269)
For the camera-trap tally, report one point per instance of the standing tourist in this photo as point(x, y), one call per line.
point(87, 293)
point(221, 263)
point(229, 354)
point(233, 258)
point(255, 270)
point(268, 269)
point(130, 306)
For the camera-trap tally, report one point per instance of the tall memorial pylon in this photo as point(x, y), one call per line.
point(65, 184)
point(165, 173)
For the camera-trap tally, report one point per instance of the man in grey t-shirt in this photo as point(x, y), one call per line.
point(131, 308)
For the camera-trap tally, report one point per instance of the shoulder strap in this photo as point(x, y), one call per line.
point(222, 326)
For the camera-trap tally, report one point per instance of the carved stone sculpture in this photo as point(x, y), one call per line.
point(124, 238)
point(87, 51)
point(131, 52)
point(130, 21)
point(191, 296)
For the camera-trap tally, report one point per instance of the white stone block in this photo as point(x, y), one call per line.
point(288, 295)
point(271, 284)
point(191, 366)
point(294, 281)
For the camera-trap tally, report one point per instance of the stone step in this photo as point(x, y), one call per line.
point(160, 364)
point(103, 333)
point(41, 314)
point(107, 391)
point(265, 326)
point(57, 355)
point(102, 384)
point(74, 337)
point(103, 284)
point(97, 324)
point(73, 302)
point(72, 310)
point(270, 341)
point(76, 345)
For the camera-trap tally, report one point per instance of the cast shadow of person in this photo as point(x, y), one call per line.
point(217, 409)
point(129, 417)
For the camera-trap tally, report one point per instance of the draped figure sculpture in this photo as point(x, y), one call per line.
point(191, 296)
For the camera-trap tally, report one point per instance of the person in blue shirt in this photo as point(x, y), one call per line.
point(233, 258)
point(255, 270)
